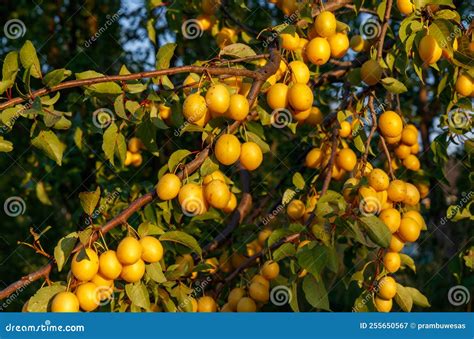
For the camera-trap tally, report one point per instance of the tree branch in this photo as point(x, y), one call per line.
point(384, 29)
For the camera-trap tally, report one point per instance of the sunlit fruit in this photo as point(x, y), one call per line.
point(65, 302)
point(137, 159)
point(263, 236)
point(357, 43)
point(277, 96)
point(295, 209)
point(234, 297)
point(339, 44)
point(129, 250)
point(325, 24)
point(345, 129)
point(238, 107)
point(314, 158)
point(409, 136)
point(378, 179)
point(85, 264)
point(134, 272)
point(402, 151)
point(346, 159)
point(231, 204)
point(424, 189)
point(415, 215)
point(207, 304)
point(289, 41)
point(204, 21)
point(227, 149)
point(387, 288)
point(164, 111)
point(109, 265)
point(405, 7)
point(226, 308)
point(168, 186)
point(396, 244)
point(104, 286)
point(392, 261)
point(301, 115)
point(390, 124)
point(391, 218)
point(429, 50)
point(218, 99)
point(152, 249)
point(409, 230)
point(393, 140)
point(397, 190)
point(260, 279)
point(270, 270)
point(192, 201)
point(413, 195)
point(371, 72)
point(412, 163)
point(349, 189)
point(246, 305)
point(414, 149)
point(300, 97)
point(217, 194)
point(88, 296)
point(225, 37)
point(190, 82)
point(318, 51)
point(299, 72)
point(464, 85)
point(134, 145)
point(259, 292)
point(251, 156)
point(315, 116)
point(194, 107)
point(383, 305)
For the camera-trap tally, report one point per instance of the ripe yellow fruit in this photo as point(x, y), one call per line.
point(464, 85)
point(88, 296)
point(345, 129)
point(405, 7)
point(357, 43)
point(300, 97)
point(85, 264)
point(301, 115)
point(194, 107)
point(325, 24)
point(227, 308)
point(192, 201)
point(128, 158)
point(409, 230)
point(216, 175)
point(168, 186)
point(137, 159)
point(415, 148)
point(413, 195)
point(397, 190)
point(134, 272)
point(314, 158)
point(391, 218)
point(104, 286)
point(390, 124)
point(227, 149)
point(217, 194)
point(277, 96)
point(387, 288)
point(270, 270)
point(295, 209)
point(259, 292)
point(109, 265)
point(261, 280)
point(392, 261)
point(379, 180)
point(402, 151)
point(251, 156)
point(263, 236)
point(393, 140)
point(218, 99)
point(424, 189)
point(290, 41)
point(371, 72)
point(152, 249)
point(207, 304)
point(346, 159)
point(65, 302)
point(164, 111)
point(129, 251)
point(429, 50)
point(318, 51)
point(383, 305)
point(349, 189)
point(415, 215)
point(231, 205)
point(238, 107)
point(134, 145)
point(339, 44)
point(412, 163)
point(396, 244)
point(299, 72)
point(190, 82)
point(409, 136)
point(315, 116)
point(234, 297)
point(225, 37)
point(204, 21)
point(246, 305)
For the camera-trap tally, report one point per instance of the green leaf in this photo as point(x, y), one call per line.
point(5, 84)
point(150, 27)
point(63, 249)
point(40, 301)
point(417, 297)
point(148, 228)
point(29, 59)
point(164, 55)
point(237, 50)
point(208, 166)
point(138, 295)
point(298, 181)
point(89, 200)
point(50, 144)
point(42, 194)
point(285, 250)
point(182, 238)
point(393, 85)
point(313, 259)
point(256, 139)
point(403, 298)
point(176, 158)
point(378, 232)
point(110, 142)
point(443, 31)
point(408, 261)
point(56, 77)
point(103, 87)
point(155, 272)
point(10, 67)
point(5, 145)
point(315, 293)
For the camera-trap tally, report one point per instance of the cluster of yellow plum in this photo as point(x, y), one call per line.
point(386, 289)
point(96, 274)
point(465, 85)
point(133, 156)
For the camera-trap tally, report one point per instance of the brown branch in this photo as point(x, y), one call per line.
point(384, 29)
point(371, 133)
point(327, 179)
point(330, 6)
point(389, 158)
